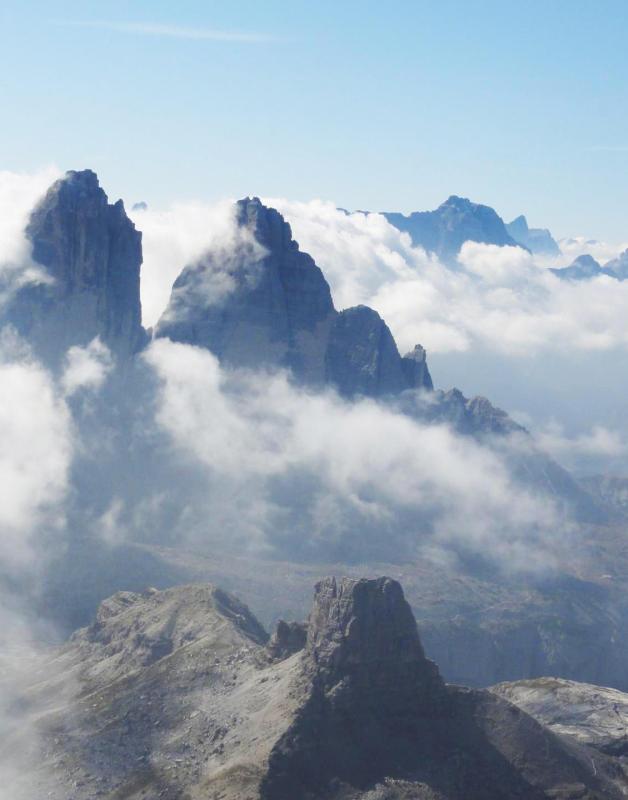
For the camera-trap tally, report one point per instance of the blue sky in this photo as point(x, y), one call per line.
point(374, 105)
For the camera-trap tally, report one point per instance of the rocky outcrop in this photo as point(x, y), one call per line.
point(458, 220)
point(593, 715)
point(173, 694)
point(378, 721)
point(261, 302)
point(414, 365)
point(264, 303)
point(361, 356)
point(288, 639)
point(537, 240)
point(91, 254)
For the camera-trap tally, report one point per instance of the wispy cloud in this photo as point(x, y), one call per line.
point(171, 31)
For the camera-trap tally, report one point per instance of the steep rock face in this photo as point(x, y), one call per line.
point(537, 240)
point(274, 309)
point(92, 254)
point(414, 365)
point(362, 357)
point(444, 230)
point(264, 303)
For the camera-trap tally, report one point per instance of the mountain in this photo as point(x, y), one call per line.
point(179, 694)
point(618, 267)
point(586, 267)
point(273, 308)
point(91, 255)
point(458, 220)
point(582, 268)
point(592, 715)
point(536, 240)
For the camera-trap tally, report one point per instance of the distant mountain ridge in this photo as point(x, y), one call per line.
point(585, 267)
point(537, 240)
point(456, 221)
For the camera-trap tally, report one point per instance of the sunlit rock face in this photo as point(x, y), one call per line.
point(261, 302)
point(90, 255)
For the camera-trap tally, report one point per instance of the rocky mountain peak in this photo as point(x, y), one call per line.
point(444, 230)
point(266, 224)
point(414, 365)
point(92, 253)
point(360, 627)
point(276, 310)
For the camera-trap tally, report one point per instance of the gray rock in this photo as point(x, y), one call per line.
point(92, 254)
point(288, 639)
point(275, 308)
point(593, 715)
point(414, 365)
point(362, 357)
point(358, 714)
point(264, 303)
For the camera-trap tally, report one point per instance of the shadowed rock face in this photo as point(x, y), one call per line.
point(274, 309)
point(362, 357)
point(362, 634)
point(175, 694)
point(92, 254)
point(378, 721)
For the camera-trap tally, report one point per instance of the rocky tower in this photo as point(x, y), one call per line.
point(92, 254)
point(372, 692)
point(263, 302)
point(275, 307)
point(362, 640)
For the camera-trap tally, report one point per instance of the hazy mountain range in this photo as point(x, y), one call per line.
point(259, 437)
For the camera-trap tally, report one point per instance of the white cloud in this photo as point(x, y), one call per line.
point(86, 367)
point(36, 435)
point(19, 192)
point(324, 473)
point(182, 236)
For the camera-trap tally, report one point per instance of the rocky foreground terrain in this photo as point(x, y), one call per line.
point(181, 694)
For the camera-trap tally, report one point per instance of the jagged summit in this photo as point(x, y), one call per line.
point(265, 303)
point(457, 220)
point(91, 254)
point(364, 631)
